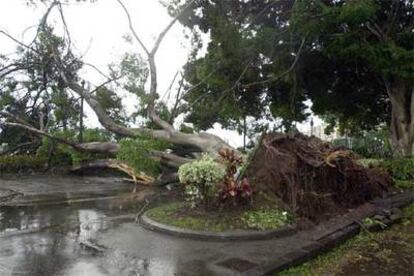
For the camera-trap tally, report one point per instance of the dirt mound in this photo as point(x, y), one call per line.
point(311, 176)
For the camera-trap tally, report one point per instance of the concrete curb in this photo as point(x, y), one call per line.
point(232, 235)
point(323, 241)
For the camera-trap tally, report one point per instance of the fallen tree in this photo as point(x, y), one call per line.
point(311, 176)
point(188, 145)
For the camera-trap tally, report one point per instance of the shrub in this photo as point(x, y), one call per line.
point(16, 163)
point(200, 178)
point(370, 162)
point(401, 168)
point(135, 152)
point(207, 181)
point(65, 155)
point(372, 144)
point(231, 190)
point(266, 219)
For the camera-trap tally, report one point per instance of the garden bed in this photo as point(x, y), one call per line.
point(258, 223)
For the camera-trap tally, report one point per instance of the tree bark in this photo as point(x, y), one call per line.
point(401, 95)
point(193, 144)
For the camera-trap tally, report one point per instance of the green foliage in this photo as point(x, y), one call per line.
point(404, 184)
point(66, 155)
point(370, 162)
point(401, 169)
point(135, 152)
point(266, 219)
point(200, 179)
point(34, 88)
point(369, 144)
point(168, 214)
point(16, 163)
point(179, 215)
point(205, 171)
point(368, 222)
point(365, 250)
point(112, 104)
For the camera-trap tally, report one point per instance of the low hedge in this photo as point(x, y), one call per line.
point(16, 163)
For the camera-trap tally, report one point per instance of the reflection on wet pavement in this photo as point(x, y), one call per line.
point(50, 240)
point(100, 237)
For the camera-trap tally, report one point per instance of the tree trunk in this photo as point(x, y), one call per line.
point(401, 94)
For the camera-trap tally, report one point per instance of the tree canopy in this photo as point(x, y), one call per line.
point(269, 57)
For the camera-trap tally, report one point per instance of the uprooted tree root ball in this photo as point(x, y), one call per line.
point(311, 176)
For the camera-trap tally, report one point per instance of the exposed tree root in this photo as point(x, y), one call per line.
point(311, 176)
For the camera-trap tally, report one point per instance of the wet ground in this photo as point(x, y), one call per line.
point(86, 226)
point(48, 225)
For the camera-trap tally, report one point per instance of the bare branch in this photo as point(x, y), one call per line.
point(165, 31)
point(93, 147)
point(168, 91)
point(177, 101)
point(97, 70)
point(18, 41)
point(131, 28)
point(105, 83)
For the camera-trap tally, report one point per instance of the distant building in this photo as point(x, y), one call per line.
point(319, 132)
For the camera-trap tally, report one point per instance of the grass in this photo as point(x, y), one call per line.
point(381, 253)
point(178, 214)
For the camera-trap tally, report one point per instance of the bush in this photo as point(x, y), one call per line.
point(401, 168)
point(266, 219)
point(18, 163)
point(370, 162)
point(200, 178)
point(372, 144)
point(231, 190)
point(210, 182)
point(135, 152)
point(66, 155)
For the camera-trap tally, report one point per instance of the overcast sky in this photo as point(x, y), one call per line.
point(97, 30)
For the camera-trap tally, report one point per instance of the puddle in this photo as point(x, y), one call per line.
point(48, 239)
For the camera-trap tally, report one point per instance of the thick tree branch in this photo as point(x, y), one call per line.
point(92, 147)
point(203, 142)
point(153, 93)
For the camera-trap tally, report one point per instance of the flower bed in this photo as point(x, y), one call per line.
point(179, 215)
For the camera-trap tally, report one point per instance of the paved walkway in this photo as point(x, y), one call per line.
point(49, 189)
point(166, 255)
point(101, 237)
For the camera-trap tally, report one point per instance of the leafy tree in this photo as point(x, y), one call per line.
point(248, 69)
point(353, 59)
point(39, 96)
point(359, 66)
point(61, 67)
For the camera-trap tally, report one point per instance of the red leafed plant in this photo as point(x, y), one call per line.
point(231, 190)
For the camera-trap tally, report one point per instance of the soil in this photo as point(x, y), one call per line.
point(311, 176)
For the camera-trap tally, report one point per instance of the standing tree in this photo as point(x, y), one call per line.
point(361, 67)
point(353, 59)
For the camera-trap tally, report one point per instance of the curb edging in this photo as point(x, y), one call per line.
point(231, 235)
point(325, 243)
